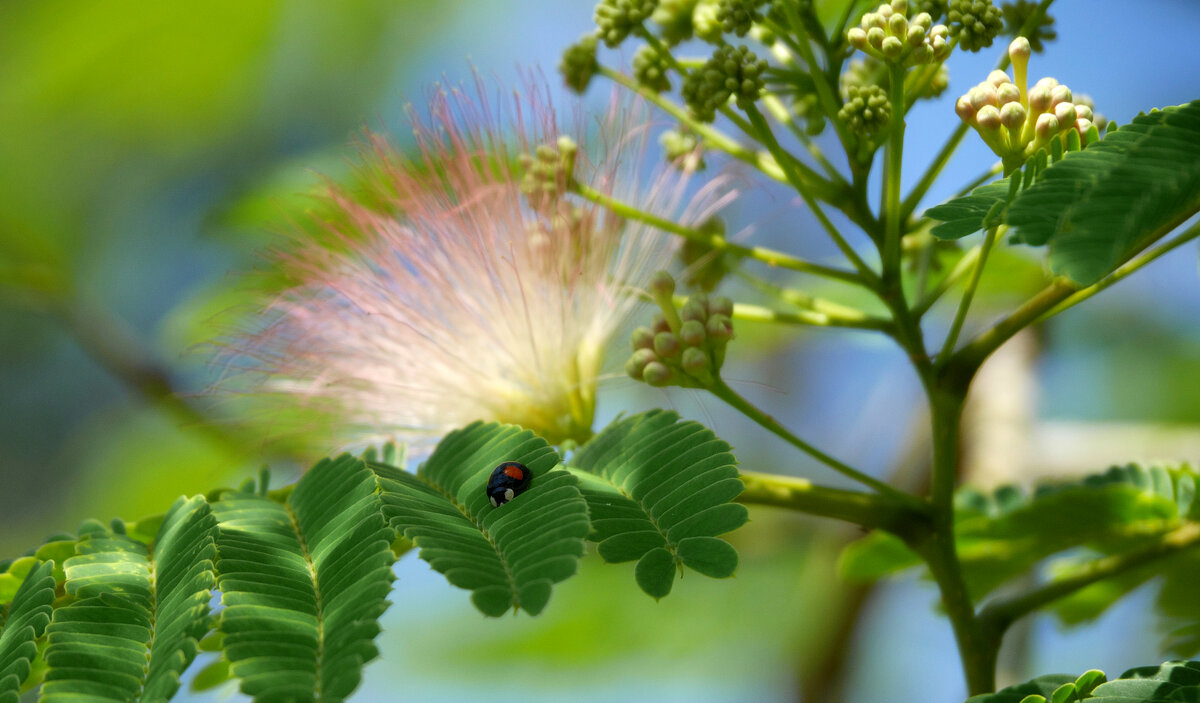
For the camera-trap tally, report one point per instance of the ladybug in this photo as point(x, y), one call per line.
point(508, 481)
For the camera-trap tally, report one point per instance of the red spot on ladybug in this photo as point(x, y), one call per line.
point(508, 480)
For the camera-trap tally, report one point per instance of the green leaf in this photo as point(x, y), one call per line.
point(304, 583)
point(1173, 681)
point(508, 556)
point(970, 213)
point(25, 621)
point(1003, 533)
point(137, 616)
point(1099, 206)
point(655, 486)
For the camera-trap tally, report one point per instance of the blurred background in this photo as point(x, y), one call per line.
point(149, 151)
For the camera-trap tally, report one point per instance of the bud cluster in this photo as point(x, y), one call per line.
point(738, 16)
point(616, 19)
point(731, 72)
point(1015, 122)
point(547, 173)
point(1017, 15)
point(650, 69)
point(974, 23)
point(579, 64)
point(869, 71)
point(684, 347)
point(866, 110)
point(889, 35)
point(674, 18)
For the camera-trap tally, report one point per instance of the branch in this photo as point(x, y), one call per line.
point(868, 510)
point(1001, 613)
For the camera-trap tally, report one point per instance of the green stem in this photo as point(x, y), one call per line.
point(1000, 614)
point(1123, 272)
point(940, 552)
point(772, 144)
point(891, 176)
point(758, 313)
point(712, 136)
point(826, 98)
point(964, 305)
point(965, 264)
point(727, 394)
point(769, 257)
point(868, 510)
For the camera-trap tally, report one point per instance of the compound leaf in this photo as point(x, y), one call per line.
point(25, 621)
point(659, 492)
point(304, 583)
point(508, 556)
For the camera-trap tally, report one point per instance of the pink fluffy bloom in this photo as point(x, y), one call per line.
point(477, 302)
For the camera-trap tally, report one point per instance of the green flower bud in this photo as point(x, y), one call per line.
point(1016, 16)
point(692, 333)
point(548, 172)
point(731, 72)
point(638, 361)
point(867, 110)
point(737, 16)
point(857, 37)
point(705, 22)
point(662, 285)
point(579, 64)
point(693, 310)
point(666, 344)
point(719, 328)
point(657, 374)
point(650, 69)
point(642, 338)
point(720, 305)
point(936, 9)
point(675, 19)
point(695, 362)
point(682, 149)
point(615, 19)
point(974, 23)
point(659, 323)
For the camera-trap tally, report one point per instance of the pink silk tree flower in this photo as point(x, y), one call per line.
point(472, 284)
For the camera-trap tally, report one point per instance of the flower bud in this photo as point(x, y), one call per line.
point(1039, 99)
point(892, 47)
point(1060, 94)
point(1012, 115)
point(900, 6)
point(695, 362)
point(638, 361)
point(692, 333)
point(857, 37)
point(1047, 83)
point(720, 305)
point(642, 338)
point(719, 328)
point(916, 36)
point(875, 37)
point(666, 344)
point(1082, 125)
point(999, 78)
point(693, 310)
point(1083, 112)
point(662, 285)
point(1065, 113)
point(885, 12)
point(988, 118)
point(1019, 50)
point(1047, 126)
point(898, 25)
point(923, 20)
point(965, 110)
point(1008, 93)
point(983, 94)
point(659, 323)
point(656, 374)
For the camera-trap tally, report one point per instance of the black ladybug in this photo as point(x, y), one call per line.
point(508, 481)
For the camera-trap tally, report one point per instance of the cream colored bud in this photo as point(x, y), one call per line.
point(916, 36)
point(1083, 125)
point(1083, 111)
point(1065, 113)
point(857, 37)
point(923, 20)
point(892, 47)
point(998, 78)
point(898, 26)
point(939, 31)
point(1047, 83)
point(1008, 93)
point(1060, 94)
point(875, 37)
point(965, 110)
point(886, 12)
point(1039, 99)
point(1047, 126)
point(1019, 49)
point(900, 6)
point(988, 118)
point(1012, 115)
point(983, 94)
